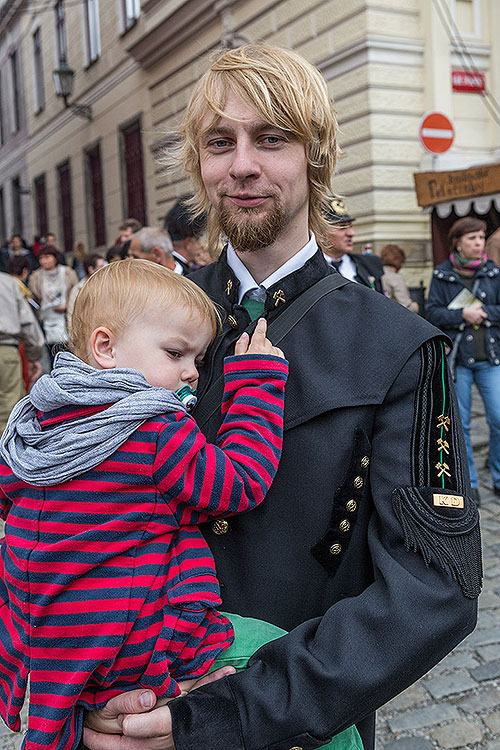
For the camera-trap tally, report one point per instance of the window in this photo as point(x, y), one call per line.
point(62, 43)
point(131, 12)
point(17, 210)
point(16, 101)
point(41, 204)
point(3, 226)
point(65, 205)
point(92, 29)
point(38, 66)
point(466, 15)
point(2, 130)
point(96, 192)
point(134, 202)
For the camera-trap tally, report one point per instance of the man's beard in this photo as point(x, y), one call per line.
point(248, 229)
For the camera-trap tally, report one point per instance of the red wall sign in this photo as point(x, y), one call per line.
point(436, 132)
point(466, 80)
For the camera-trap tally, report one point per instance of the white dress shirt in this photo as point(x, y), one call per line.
point(347, 267)
point(247, 282)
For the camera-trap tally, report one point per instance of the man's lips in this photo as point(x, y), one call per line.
point(247, 201)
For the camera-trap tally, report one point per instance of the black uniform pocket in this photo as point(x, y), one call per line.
point(330, 550)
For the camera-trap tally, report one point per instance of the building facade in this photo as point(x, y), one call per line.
point(15, 203)
point(387, 62)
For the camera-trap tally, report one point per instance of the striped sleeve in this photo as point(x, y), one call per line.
point(5, 502)
point(199, 479)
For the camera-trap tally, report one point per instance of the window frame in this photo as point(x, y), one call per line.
point(92, 31)
point(124, 130)
point(42, 224)
point(3, 218)
point(61, 35)
point(17, 206)
point(38, 70)
point(65, 200)
point(2, 119)
point(131, 10)
point(16, 92)
point(96, 222)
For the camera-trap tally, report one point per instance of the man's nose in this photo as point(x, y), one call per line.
point(245, 162)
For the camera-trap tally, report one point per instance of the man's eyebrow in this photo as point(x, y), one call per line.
point(255, 127)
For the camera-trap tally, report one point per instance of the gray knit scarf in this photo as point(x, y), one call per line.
point(66, 449)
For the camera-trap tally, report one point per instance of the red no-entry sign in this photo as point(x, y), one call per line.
point(436, 133)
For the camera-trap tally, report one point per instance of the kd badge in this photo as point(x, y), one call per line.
point(448, 501)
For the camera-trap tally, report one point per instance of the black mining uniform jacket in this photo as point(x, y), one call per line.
point(369, 270)
point(348, 551)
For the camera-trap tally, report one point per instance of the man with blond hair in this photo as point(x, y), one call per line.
point(367, 548)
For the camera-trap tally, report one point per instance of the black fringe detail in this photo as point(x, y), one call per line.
point(448, 536)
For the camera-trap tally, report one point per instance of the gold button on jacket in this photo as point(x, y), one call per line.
point(220, 526)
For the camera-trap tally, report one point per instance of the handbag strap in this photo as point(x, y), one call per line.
point(277, 330)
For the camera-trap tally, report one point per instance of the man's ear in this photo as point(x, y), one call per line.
point(156, 255)
point(102, 343)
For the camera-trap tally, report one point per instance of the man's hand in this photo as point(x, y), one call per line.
point(258, 344)
point(128, 721)
point(474, 316)
point(34, 370)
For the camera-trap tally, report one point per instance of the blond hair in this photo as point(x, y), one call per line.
point(117, 294)
point(286, 91)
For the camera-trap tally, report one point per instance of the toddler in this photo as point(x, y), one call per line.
point(106, 583)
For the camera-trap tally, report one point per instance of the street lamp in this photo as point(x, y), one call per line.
point(63, 81)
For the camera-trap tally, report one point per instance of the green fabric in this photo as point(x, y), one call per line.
point(249, 635)
point(254, 307)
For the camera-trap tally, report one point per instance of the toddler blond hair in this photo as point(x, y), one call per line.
point(117, 294)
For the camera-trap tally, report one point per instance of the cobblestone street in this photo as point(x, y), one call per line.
point(457, 704)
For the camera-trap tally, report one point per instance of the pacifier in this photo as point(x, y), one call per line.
point(187, 396)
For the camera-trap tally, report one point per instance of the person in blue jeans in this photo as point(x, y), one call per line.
point(464, 301)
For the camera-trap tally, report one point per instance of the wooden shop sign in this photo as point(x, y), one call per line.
point(437, 187)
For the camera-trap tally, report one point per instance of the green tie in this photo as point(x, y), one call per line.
point(254, 307)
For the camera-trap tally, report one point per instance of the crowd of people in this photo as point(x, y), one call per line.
point(362, 520)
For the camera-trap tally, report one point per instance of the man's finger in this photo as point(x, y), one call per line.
point(97, 741)
point(133, 702)
point(158, 723)
point(212, 677)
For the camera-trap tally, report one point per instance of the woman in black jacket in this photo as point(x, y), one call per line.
point(464, 301)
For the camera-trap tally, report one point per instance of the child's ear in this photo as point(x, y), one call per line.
point(102, 343)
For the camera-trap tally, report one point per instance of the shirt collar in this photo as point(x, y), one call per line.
point(178, 268)
point(347, 267)
point(246, 279)
point(178, 255)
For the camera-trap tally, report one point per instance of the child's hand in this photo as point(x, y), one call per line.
point(258, 344)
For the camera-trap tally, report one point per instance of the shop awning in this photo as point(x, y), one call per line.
point(463, 207)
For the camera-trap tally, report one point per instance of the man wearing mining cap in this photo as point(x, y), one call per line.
point(366, 548)
point(363, 269)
